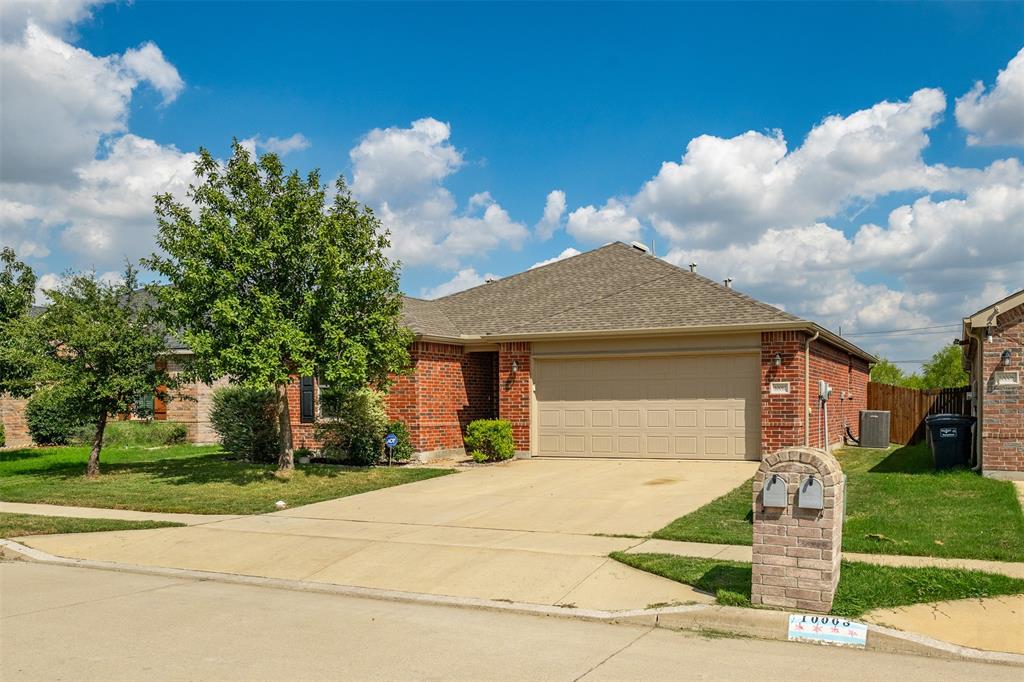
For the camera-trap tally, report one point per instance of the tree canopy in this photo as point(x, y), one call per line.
point(943, 370)
point(98, 343)
point(17, 289)
point(268, 279)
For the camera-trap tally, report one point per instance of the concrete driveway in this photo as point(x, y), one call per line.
point(536, 531)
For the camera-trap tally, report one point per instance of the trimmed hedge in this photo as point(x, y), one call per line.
point(52, 417)
point(490, 440)
point(246, 422)
point(143, 434)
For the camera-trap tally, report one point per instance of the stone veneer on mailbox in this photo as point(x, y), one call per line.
point(797, 551)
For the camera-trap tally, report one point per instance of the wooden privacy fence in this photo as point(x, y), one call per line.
point(909, 406)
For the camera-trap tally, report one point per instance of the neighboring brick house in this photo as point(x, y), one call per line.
point(993, 343)
point(616, 353)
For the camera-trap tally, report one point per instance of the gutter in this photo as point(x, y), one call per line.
point(807, 389)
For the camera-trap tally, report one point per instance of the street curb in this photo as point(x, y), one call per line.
point(744, 622)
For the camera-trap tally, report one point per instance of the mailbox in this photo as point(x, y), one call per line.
point(811, 494)
point(775, 493)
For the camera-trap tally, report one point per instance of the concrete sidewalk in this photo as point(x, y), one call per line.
point(995, 624)
point(119, 514)
point(709, 550)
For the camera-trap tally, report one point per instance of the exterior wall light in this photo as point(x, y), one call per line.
point(777, 361)
point(515, 366)
point(1005, 357)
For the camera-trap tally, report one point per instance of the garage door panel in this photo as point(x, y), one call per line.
point(664, 407)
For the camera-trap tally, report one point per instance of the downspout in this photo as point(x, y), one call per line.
point(807, 387)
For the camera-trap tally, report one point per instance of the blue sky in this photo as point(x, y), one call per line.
point(519, 100)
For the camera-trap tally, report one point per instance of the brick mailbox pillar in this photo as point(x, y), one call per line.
point(799, 501)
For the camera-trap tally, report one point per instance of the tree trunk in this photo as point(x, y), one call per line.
point(92, 469)
point(285, 453)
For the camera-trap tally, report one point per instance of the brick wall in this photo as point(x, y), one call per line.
point(783, 416)
point(845, 373)
point(447, 388)
point(514, 390)
point(12, 416)
point(1002, 429)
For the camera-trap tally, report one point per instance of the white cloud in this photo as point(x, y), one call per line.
point(554, 210)
point(276, 145)
point(466, 278)
point(56, 16)
point(997, 116)
point(107, 214)
point(611, 222)
point(147, 63)
point(732, 189)
point(60, 100)
point(400, 173)
point(567, 253)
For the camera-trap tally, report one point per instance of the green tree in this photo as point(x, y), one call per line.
point(17, 288)
point(268, 281)
point(885, 372)
point(98, 343)
point(945, 369)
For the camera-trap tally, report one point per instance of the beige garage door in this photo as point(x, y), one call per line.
point(674, 407)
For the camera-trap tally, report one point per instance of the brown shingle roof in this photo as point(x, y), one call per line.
point(614, 287)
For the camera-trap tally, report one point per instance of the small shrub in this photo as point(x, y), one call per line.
point(143, 434)
point(3, 436)
point(490, 440)
point(356, 435)
point(53, 418)
point(403, 451)
point(245, 420)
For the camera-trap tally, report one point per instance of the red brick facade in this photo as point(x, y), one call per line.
point(515, 390)
point(1002, 419)
point(447, 388)
point(784, 416)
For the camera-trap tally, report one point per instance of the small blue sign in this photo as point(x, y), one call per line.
point(391, 440)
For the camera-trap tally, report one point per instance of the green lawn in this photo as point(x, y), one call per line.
point(19, 525)
point(182, 478)
point(896, 505)
point(862, 587)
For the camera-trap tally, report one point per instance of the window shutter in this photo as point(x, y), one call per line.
point(307, 401)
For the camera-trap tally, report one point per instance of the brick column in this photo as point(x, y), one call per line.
point(514, 389)
point(797, 550)
point(782, 414)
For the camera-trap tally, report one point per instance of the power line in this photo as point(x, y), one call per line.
point(909, 329)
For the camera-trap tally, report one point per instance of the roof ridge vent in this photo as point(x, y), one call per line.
point(640, 246)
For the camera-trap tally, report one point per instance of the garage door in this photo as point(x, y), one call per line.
point(673, 407)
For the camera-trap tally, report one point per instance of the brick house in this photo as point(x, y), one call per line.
point(611, 353)
point(993, 344)
point(616, 353)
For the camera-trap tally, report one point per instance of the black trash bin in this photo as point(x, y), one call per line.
point(949, 437)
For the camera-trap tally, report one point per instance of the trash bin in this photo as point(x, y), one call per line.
point(949, 437)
